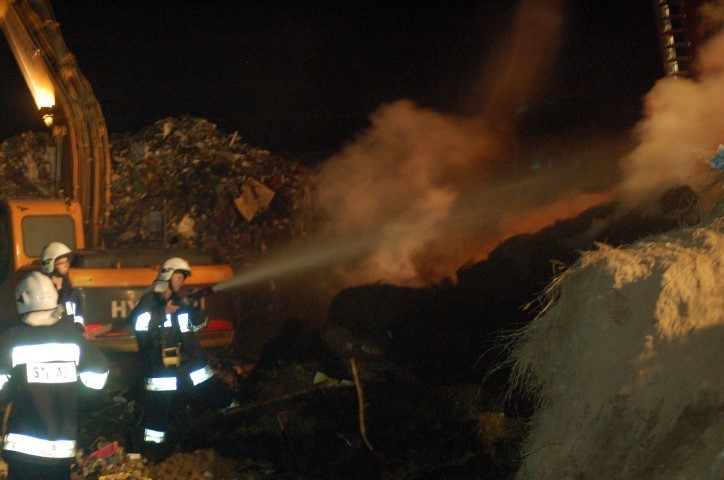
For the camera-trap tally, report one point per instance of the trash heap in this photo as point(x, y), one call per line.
point(212, 191)
point(180, 182)
point(27, 166)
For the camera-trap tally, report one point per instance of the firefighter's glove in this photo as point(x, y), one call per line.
point(188, 303)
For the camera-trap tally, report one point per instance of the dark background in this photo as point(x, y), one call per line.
point(302, 78)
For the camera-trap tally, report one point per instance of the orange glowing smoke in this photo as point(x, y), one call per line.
point(524, 61)
point(424, 187)
point(428, 189)
point(537, 218)
point(459, 248)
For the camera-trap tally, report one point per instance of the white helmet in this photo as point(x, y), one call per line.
point(36, 292)
point(51, 252)
point(171, 266)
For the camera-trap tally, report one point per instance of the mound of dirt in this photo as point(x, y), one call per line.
point(626, 362)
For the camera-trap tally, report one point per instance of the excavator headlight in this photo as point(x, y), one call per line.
point(47, 114)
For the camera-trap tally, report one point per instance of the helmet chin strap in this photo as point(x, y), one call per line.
point(57, 280)
point(160, 286)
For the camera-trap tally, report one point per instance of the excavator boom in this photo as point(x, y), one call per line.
point(66, 101)
point(682, 28)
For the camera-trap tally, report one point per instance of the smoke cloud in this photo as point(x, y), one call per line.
point(431, 192)
point(683, 127)
point(401, 180)
point(515, 77)
point(420, 193)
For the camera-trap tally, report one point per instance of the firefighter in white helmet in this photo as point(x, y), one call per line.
point(55, 261)
point(41, 363)
point(175, 367)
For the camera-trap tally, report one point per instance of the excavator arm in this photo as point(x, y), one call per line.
point(67, 104)
point(682, 27)
point(678, 36)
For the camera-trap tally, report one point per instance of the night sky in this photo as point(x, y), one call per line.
point(303, 77)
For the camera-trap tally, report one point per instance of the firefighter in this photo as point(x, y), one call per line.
point(55, 263)
point(174, 366)
point(41, 362)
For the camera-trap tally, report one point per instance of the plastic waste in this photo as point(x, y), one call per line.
point(718, 160)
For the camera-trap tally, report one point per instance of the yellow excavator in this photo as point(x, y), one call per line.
point(110, 282)
point(67, 105)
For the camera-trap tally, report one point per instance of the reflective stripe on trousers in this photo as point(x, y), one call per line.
point(168, 384)
point(201, 375)
point(39, 447)
point(153, 436)
point(161, 384)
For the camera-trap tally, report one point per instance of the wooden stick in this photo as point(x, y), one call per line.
point(282, 419)
point(360, 403)
point(277, 399)
point(8, 409)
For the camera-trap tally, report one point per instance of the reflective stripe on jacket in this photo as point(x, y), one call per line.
point(41, 366)
point(72, 302)
point(156, 330)
point(39, 447)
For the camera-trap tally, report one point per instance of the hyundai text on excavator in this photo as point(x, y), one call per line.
point(110, 282)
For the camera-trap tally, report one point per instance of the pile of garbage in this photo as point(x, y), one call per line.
point(212, 191)
point(180, 182)
point(27, 166)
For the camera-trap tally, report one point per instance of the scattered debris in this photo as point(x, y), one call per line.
point(198, 465)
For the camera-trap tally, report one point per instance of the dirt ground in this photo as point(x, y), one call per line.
point(289, 427)
point(623, 365)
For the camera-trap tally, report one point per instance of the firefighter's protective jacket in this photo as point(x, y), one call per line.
point(40, 367)
point(158, 332)
point(72, 304)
